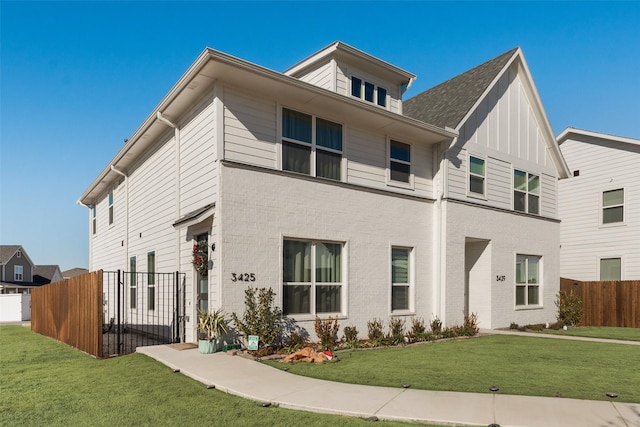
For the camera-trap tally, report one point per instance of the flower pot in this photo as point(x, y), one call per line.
point(207, 347)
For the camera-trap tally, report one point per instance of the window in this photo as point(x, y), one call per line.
point(526, 192)
point(610, 269)
point(527, 280)
point(399, 161)
point(312, 146)
point(400, 278)
point(476, 175)
point(133, 291)
point(368, 91)
point(110, 207)
point(312, 275)
point(19, 254)
point(18, 273)
point(613, 206)
point(93, 220)
point(151, 281)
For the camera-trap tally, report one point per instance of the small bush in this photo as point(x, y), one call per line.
point(260, 317)
point(418, 330)
point(296, 342)
point(396, 330)
point(469, 327)
point(375, 332)
point(327, 331)
point(513, 325)
point(450, 332)
point(569, 308)
point(351, 336)
point(536, 327)
point(436, 326)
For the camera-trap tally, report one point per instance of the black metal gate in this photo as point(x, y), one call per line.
point(141, 309)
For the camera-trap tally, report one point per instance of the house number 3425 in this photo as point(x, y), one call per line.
point(243, 277)
point(500, 278)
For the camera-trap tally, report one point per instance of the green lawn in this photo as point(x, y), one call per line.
point(518, 365)
point(47, 383)
point(626, 334)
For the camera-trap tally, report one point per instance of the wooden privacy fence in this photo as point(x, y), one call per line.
point(71, 311)
point(611, 303)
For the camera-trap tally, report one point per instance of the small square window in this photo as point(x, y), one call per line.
point(356, 87)
point(382, 97)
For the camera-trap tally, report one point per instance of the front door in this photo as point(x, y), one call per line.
point(202, 280)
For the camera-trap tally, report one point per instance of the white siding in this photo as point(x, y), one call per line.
point(603, 165)
point(393, 90)
point(321, 75)
point(108, 252)
point(505, 132)
point(249, 129)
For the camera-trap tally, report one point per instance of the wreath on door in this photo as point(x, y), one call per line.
point(200, 258)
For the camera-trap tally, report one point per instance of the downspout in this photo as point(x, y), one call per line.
point(126, 214)
point(78, 202)
point(176, 132)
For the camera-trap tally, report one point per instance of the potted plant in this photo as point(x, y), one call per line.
point(212, 325)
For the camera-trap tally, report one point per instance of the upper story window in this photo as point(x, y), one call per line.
point(110, 207)
point(18, 273)
point(368, 91)
point(19, 253)
point(312, 275)
point(399, 162)
point(476, 175)
point(526, 192)
point(527, 280)
point(613, 206)
point(311, 145)
point(93, 220)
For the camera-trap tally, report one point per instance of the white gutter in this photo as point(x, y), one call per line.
point(126, 213)
point(176, 131)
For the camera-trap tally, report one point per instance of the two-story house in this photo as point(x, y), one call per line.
point(320, 183)
point(600, 207)
point(16, 269)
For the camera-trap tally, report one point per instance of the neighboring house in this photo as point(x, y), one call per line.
point(73, 272)
point(600, 207)
point(45, 274)
point(16, 270)
point(320, 183)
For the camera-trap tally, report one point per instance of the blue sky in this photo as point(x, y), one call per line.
point(79, 77)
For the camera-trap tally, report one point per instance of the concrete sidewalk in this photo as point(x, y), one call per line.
point(253, 380)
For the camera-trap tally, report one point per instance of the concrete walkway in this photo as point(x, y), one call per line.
point(252, 380)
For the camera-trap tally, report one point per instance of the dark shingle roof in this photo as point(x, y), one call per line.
point(74, 272)
point(7, 251)
point(447, 103)
point(43, 274)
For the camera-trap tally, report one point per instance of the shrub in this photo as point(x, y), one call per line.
point(396, 330)
point(418, 331)
point(375, 332)
point(450, 332)
point(513, 325)
point(351, 336)
point(470, 326)
point(260, 317)
point(296, 341)
point(569, 308)
point(327, 331)
point(436, 326)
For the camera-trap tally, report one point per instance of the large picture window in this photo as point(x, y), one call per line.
point(613, 206)
point(527, 280)
point(312, 275)
point(526, 192)
point(400, 278)
point(399, 162)
point(310, 145)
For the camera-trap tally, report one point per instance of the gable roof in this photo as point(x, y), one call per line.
point(569, 132)
point(448, 103)
point(73, 272)
point(43, 274)
point(8, 251)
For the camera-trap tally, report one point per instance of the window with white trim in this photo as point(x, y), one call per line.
point(526, 192)
point(312, 277)
point(110, 207)
point(368, 91)
point(311, 145)
point(151, 281)
point(610, 269)
point(476, 175)
point(133, 282)
point(399, 161)
point(18, 273)
point(93, 220)
point(613, 206)
point(528, 280)
point(401, 279)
